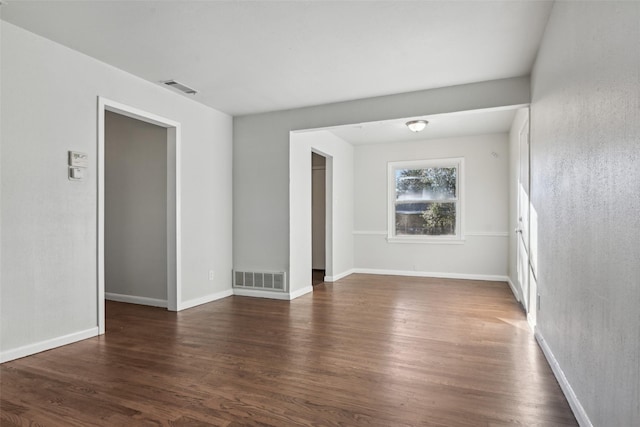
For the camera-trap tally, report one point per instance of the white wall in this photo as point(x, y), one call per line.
point(261, 157)
point(483, 254)
point(339, 218)
point(514, 170)
point(585, 133)
point(49, 106)
point(135, 209)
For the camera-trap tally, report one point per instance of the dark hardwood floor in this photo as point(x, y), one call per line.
point(365, 351)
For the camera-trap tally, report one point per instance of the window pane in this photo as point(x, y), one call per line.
point(425, 218)
point(426, 184)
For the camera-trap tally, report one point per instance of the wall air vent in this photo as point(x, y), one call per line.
point(264, 281)
point(184, 88)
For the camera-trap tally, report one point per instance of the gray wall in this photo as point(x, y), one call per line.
point(135, 208)
point(586, 188)
point(49, 239)
point(261, 157)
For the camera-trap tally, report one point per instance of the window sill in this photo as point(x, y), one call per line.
point(427, 240)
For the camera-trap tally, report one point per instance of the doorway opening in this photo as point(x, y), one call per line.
point(135, 211)
point(131, 212)
point(318, 218)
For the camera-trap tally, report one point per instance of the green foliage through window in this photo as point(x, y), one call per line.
point(426, 201)
point(429, 183)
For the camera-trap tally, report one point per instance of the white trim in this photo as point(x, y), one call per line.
point(100, 210)
point(49, 344)
point(423, 241)
point(486, 277)
point(487, 233)
point(261, 294)
point(303, 291)
point(205, 299)
point(574, 402)
point(339, 276)
point(516, 294)
point(174, 237)
point(467, 233)
point(370, 233)
point(132, 299)
point(174, 218)
point(272, 295)
point(459, 200)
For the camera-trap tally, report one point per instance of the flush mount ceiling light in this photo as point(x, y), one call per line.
point(416, 125)
point(184, 88)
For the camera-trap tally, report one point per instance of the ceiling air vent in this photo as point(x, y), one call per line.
point(180, 86)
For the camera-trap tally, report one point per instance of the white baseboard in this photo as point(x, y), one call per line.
point(487, 277)
point(205, 299)
point(272, 295)
point(337, 277)
point(295, 294)
point(261, 294)
point(574, 403)
point(515, 291)
point(132, 299)
point(49, 344)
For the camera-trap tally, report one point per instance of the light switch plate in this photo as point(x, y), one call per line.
point(78, 159)
point(76, 174)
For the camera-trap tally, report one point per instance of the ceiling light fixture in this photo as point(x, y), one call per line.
point(417, 125)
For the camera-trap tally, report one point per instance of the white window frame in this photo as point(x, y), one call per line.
point(458, 163)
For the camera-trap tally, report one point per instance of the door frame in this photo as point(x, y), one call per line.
point(300, 227)
point(174, 253)
point(328, 212)
point(324, 188)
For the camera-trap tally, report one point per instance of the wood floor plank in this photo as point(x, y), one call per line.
point(365, 351)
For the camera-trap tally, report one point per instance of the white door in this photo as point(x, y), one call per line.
point(523, 247)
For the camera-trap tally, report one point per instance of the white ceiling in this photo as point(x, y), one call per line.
point(479, 122)
point(246, 57)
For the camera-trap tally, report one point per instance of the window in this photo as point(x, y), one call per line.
point(425, 200)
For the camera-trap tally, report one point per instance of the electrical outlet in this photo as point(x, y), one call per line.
point(538, 302)
point(211, 274)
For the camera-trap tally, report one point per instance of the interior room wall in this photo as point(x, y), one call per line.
point(261, 149)
point(484, 252)
point(585, 128)
point(49, 249)
point(135, 210)
point(514, 169)
point(339, 217)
